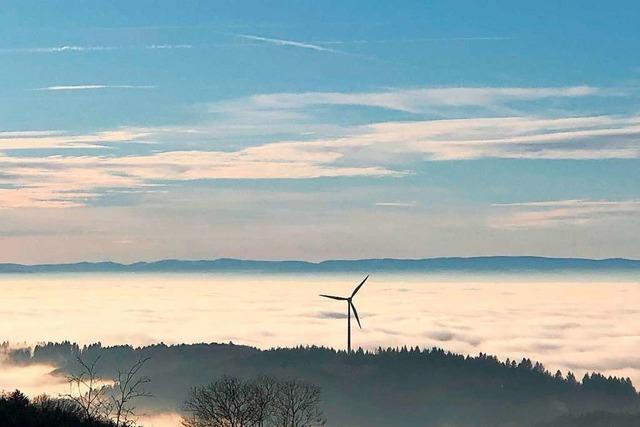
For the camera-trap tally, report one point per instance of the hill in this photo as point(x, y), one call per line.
point(399, 387)
point(427, 265)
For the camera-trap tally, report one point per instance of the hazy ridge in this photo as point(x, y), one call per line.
point(445, 264)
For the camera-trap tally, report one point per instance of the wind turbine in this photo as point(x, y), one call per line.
point(350, 306)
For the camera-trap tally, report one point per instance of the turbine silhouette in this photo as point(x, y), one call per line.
point(350, 306)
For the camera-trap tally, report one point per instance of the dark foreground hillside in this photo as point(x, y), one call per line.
point(405, 387)
point(17, 410)
point(598, 419)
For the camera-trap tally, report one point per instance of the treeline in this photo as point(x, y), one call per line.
point(17, 410)
point(228, 401)
point(399, 386)
point(597, 419)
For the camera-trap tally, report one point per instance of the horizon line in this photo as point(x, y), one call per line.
point(317, 263)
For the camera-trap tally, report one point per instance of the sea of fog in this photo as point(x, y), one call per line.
point(568, 322)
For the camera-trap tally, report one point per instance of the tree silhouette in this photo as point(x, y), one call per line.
point(89, 391)
point(127, 387)
point(265, 390)
point(99, 400)
point(16, 410)
point(297, 404)
point(227, 402)
point(264, 401)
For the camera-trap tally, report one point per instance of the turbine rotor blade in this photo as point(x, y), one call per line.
point(355, 312)
point(359, 286)
point(334, 297)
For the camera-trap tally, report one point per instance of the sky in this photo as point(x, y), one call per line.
point(143, 130)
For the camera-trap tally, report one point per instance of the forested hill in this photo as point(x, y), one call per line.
point(399, 387)
point(473, 264)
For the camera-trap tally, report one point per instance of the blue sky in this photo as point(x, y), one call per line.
point(314, 130)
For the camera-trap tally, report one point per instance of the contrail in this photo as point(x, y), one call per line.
point(79, 49)
point(283, 42)
point(92, 87)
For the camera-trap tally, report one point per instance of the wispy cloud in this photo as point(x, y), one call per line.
point(289, 115)
point(72, 181)
point(415, 40)
point(381, 149)
point(393, 144)
point(470, 38)
point(553, 213)
point(512, 137)
point(93, 87)
point(169, 46)
point(396, 204)
point(417, 101)
point(53, 139)
point(388, 148)
point(80, 48)
point(569, 203)
point(376, 150)
point(283, 42)
point(57, 49)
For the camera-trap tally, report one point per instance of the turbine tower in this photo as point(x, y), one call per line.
point(350, 306)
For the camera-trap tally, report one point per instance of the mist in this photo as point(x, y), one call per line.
point(567, 322)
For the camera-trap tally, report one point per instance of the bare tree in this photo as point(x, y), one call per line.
point(96, 398)
point(127, 387)
point(297, 404)
point(88, 391)
point(227, 402)
point(264, 401)
point(265, 390)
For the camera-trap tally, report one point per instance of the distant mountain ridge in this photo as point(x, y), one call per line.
point(426, 265)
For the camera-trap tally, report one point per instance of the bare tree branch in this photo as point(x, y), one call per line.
point(264, 401)
point(88, 391)
point(127, 387)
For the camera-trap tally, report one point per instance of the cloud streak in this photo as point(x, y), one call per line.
point(73, 181)
point(52, 139)
point(511, 137)
point(58, 49)
point(416, 40)
point(396, 204)
point(554, 213)
point(84, 49)
point(407, 100)
point(382, 149)
point(283, 42)
point(92, 87)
